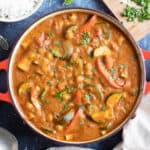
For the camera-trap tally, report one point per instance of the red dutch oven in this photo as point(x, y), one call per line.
point(142, 55)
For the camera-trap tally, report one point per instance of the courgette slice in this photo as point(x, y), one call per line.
point(113, 99)
point(55, 52)
point(102, 116)
point(24, 87)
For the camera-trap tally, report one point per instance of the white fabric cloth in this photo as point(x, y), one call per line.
point(136, 134)
point(68, 148)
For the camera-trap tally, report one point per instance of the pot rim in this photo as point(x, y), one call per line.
point(109, 19)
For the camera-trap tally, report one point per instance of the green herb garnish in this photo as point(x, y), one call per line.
point(112, 71)
point(49, 82)
point(69, 64)
point(142, 13)
point(58, 94)
point(122, 66)
point(51, 32)
point(69, 89)
point(88, 96)
point(43, 93)
point(56, 43)
point(68, 2)
point(65, 107)
point(85, 38)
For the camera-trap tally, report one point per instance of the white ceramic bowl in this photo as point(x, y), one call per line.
point(23, 17)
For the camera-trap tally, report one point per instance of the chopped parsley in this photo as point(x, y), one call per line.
point(85, 38)
point(58, 94)
point(43, 93)
point(142, 13)
point(56, 43)
point(69, 89)
point(88, 96)
point(122, 66)
point(69, 64)
point(51, 33)
point(49, 82)
point(68, 2)
point(112, 71)
point(65, 107)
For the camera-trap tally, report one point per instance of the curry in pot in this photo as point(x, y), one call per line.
point(75, 76)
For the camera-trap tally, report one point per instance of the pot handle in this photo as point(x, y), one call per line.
point(146, 55)
point(147, 88)
point(4, 96)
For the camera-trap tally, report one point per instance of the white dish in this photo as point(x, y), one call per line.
point(24, 16)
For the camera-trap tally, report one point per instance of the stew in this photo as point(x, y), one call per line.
point(76, 76)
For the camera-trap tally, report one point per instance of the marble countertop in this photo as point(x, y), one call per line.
point(27, 138)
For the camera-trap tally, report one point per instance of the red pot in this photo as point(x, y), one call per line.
point(142, 55)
